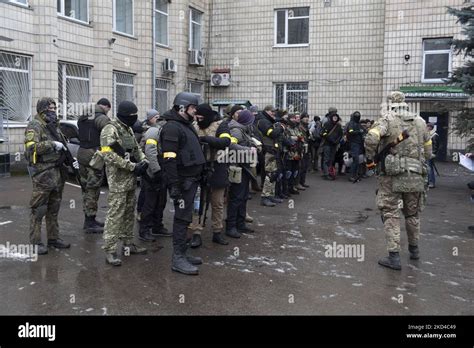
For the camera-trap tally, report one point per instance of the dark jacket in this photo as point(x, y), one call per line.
point(217, 142)
point(354, 131)
point(435, 143)
point(181, 149)
point(332, 132)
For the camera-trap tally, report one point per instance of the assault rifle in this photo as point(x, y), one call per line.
point(380, 157)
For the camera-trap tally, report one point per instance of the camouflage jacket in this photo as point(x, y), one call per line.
point(120, 169)
point(39, 147)
point(295, 151)
point(390, 126)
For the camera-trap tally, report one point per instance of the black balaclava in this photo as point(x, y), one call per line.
point(127, 113)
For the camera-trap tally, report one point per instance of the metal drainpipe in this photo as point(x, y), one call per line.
point(153, 98)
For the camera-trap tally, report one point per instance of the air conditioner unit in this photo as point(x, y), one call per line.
point(169, 66)
point(196, 57)
point(220, 79)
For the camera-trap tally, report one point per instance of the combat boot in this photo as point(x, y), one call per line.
point(144, 234)
point(42, 249)
point(245, 229)
point(112, 259)
point(180, 264)
point(134, 249)
point(162, 232)
point(392, 261)
point(275, 200)
point(293, 191)
point(266, 202)
point(91, 226)
point(194, 260)
point(196, 241)
point(218, 238)
point(300, 188)
point(58, 244)
point(414, 252)
point(233, 233)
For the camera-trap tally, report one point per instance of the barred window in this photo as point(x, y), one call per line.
point(74, 90)
point(292, 96)
point(15, 86)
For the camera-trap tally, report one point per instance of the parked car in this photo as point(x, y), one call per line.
point(71, 131)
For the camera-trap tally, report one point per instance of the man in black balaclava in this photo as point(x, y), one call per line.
point(214, 136)
point(124, 162)
point(355, 137)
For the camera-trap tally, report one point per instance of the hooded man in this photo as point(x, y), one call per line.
point(239, 189)
point(355, 136)
point(44, 150)
point(331, 135)
point(214, 135)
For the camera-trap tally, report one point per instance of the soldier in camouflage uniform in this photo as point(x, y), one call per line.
point(124, 161)
point(402, 175)
point(48, 173)
point(90, 127)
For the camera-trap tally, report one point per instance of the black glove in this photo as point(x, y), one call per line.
point(175, 192)
point(140, 168)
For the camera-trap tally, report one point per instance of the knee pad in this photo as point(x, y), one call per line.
point(295, 174)
point(288, 174)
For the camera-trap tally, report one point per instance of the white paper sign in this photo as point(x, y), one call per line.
point(466, 162)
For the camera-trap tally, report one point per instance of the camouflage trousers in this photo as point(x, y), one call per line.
point(390, 203)
point(120, 219)
point(92, 180)
point(45, 202)
point(270, 169)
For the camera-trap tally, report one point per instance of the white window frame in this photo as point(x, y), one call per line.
point(431, 52)
point(114, 87)
point(285, 92)
point(28, 71)
point(114, 20)
point(19, 3)
point(201, 84)
point(65, 77)
point(63, 14)
point(191, 22)
point(286, 44)
point(167, 90)
point(167, 24)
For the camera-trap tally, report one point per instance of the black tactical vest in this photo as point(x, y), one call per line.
point(190, 153)
point(89, 135)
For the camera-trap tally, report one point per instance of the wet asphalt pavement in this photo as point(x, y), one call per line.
point(281, 269)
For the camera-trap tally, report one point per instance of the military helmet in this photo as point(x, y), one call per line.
point(43, 104)
point(397, 99)
point(184, 99)
point(228, 109)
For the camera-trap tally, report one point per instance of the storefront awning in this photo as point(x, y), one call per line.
point(434, 93)
point(225, 102)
